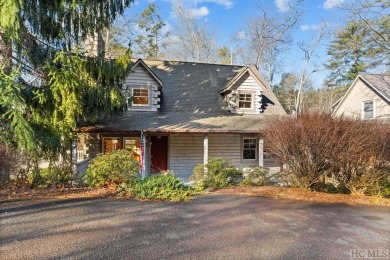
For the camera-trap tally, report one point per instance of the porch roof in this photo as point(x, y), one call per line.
point(180, 122)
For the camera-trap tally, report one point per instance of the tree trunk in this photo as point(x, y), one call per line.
point(5, 52)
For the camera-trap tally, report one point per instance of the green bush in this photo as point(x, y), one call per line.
point(256, 176)
point(333, 188)
point(220, 173)
point(51, 176)
point(115, 168)
point(164, 187)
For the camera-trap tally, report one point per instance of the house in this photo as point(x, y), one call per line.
point(182, 113)
point(368, 97)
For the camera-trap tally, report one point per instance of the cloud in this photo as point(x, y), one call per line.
point(199, 12)
point(308, 27)
point(241, 35)
point(283, 5)
point(225, 3)
point(329, 4)
point(314, 27)
point(194, 3)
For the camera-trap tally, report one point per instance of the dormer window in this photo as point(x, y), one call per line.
point(140, 97)
point(245, 101)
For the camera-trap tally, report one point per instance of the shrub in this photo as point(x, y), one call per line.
point(219, 172)
point(256, 176)
point(115, 168)
point(164, 187)
point(52, 176)
point(313, 146)
point(8, 162)
point(384, 188)
point(333, 188)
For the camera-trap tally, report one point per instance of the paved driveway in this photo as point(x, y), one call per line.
point(209, 227)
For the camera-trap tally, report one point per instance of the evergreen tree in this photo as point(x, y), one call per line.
point(363, 44)
point(151, 39)
point(47, 83)
point(285, 91)
point(348, 53)
point(224, 55)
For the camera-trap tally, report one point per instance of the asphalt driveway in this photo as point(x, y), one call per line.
point(209, 227)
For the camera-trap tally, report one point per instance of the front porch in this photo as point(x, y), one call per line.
point(179, 153)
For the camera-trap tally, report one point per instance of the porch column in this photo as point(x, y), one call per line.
point(205, 149)
point(205, 153)
point(261, 152)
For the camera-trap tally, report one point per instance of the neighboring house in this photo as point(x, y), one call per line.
point(182, 113)
point(368, 97)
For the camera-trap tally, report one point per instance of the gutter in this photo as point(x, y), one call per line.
point(172, 131)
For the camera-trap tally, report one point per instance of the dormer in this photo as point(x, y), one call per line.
point(143, 88)
point(243, 93)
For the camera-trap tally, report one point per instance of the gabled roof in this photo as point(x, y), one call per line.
point(253, 72)
point(380, 83)
point(377, 82)
point(142, 63)
point(191, 102)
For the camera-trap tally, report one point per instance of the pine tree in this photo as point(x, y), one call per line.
point(363, 44)
point(348, 53)
point(151, 39)
point(47, 83)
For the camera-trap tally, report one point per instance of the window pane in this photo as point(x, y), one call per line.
point(249, 148)
point(133, 144)
point(249, 154)
point(141, 101)
point(368, 109)
point(245, 100)
point(140, 96)
point(111, 144)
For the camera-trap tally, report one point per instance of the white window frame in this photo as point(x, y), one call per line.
point(256, 149)
point(132, 96)
point(373, 109)
point(252, 100)
point(111, 138)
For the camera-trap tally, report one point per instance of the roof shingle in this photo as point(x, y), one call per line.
point(190, 101)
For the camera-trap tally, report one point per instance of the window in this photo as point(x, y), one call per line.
point(368, 109)
point(249, 149)
point(245, 101)
point(140, 97)
point(111, 144)
point(133, 144)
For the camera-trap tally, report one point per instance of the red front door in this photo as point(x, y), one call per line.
point(159, 153)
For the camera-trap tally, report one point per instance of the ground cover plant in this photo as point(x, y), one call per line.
point(164, 187)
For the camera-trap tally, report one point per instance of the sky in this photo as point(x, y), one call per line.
point(228, 17)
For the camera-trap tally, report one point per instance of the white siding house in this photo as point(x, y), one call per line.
point(189, 113)
point(368, 97)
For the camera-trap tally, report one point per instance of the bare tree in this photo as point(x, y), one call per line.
point(375, 15)
point(266, 37)
point(196, 41)
point(309, 53)
point(120, 36)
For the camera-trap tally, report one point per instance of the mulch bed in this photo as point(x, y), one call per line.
point(55, 193)
point(266, 191)
point(300, 194)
